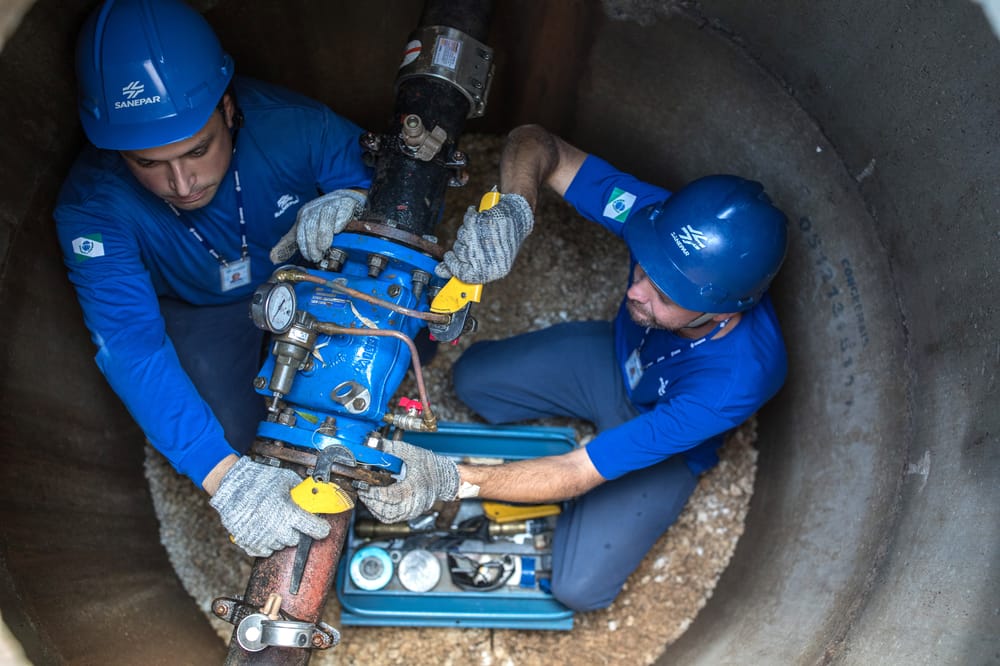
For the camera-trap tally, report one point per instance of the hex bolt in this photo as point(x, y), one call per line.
point(420, 280)
point(334, 260)
point(394, 290)
point(376, 264)
point(359, 404)
point(221, 610)
point(259, 382)
point(371, 141)
point(287, 417)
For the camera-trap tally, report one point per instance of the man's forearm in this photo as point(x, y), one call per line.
point(549, 479)
point(532, 156)
point(529, 156)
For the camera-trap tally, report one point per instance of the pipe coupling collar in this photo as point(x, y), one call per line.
point(444, 53)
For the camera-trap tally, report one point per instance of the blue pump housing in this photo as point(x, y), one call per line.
point(352, 378)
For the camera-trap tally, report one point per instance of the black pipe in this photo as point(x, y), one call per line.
point(407, 192)
point(472, 17)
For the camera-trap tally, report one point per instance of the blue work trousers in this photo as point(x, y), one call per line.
point(221, 351)
point(570, 370)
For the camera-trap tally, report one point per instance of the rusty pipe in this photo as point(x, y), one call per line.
point(273, 575)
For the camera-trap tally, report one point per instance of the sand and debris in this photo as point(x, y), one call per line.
point(568, 270)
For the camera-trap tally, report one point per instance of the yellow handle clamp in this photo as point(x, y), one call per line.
point(455, 294)
point(318, 497)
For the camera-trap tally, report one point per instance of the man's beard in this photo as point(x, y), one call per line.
point(641, 316)
point(645, 318)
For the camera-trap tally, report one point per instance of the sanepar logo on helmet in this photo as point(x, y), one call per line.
point(133, 89)
point(131, 94)
point(691, 237)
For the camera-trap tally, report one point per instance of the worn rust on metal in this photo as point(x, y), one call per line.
point(308, 460)
point(374, 228)
point(273, 575)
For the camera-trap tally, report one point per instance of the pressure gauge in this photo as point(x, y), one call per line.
point(273, 307)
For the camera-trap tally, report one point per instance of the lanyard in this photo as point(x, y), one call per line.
point(245, 249)
point(677, 350)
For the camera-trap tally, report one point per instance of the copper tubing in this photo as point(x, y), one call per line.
point(299, 276)
point(328, 328)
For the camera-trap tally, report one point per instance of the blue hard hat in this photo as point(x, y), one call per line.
point(714, 246)
point(150, 72)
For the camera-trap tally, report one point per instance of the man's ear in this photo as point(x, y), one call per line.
point(228, 110)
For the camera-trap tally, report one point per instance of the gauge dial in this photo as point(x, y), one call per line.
point(273, 307)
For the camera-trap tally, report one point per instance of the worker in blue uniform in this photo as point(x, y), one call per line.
point(694, 351)
point(193, 185)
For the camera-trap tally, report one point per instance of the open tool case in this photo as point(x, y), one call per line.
point(487, 565)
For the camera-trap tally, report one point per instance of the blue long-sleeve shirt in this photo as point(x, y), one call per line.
point(687, 392)
point(124, 248)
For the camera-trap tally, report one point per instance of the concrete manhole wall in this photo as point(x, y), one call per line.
point(873, 531)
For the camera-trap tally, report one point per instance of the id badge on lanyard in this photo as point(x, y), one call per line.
point(235, 274)
point(634, 369)
point(232, 274)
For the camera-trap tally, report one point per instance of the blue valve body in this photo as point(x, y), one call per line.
point(353, 378)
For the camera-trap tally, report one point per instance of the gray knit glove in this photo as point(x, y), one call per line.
point(488, 242)
point(316, 224)
point(428, 477)
point(255, 505)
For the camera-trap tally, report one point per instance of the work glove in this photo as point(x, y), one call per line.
point(488, 241)
point(428, 477)
point(316, 224)
point(257, 509)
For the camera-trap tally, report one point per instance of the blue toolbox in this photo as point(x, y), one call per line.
point(471, 563)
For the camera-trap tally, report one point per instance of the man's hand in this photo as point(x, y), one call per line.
point(254, 503)
point(429, 477)
point(316, 224)
point(488, 242)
